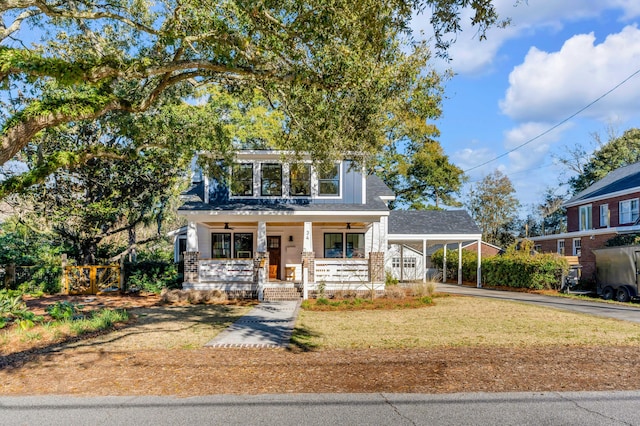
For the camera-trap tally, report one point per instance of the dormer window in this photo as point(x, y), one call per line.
point(329, 181)
point(242, 179)
point(300, 180)
point(271, 180)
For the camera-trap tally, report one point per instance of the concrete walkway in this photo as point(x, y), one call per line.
point(268, 325)
point(610, 310)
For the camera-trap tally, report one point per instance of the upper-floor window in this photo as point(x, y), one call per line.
point(585, 217)
point(242, 179)
point(300, 179)
point(329, 181)
point(628, 211)
point(604, 215)
point(271, 180)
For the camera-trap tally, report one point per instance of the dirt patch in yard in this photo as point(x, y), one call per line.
point(112, 364)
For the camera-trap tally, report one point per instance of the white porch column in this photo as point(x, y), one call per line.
point(444, 262)
point(384, 232)
point(192, 237)
point(459, 262)
point(479, 273)
point(424, 261)
point(262, 237)
point(307, 238)
point(401, 263)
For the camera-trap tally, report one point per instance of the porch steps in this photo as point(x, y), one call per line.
point(282, 294)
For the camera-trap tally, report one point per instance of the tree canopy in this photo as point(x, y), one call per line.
point(494, 207)
point(327, 64)
point(615, 153)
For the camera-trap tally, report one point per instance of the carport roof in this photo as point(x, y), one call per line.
point(434, 222)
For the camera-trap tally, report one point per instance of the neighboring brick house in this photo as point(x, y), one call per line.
point(605, 209)
point(275, 224)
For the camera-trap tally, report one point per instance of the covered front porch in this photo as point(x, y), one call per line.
point(280, 256)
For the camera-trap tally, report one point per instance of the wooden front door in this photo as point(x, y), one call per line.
point(273, 246)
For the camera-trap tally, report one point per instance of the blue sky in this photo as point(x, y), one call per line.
point(555, 59)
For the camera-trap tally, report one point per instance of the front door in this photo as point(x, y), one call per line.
point(273, 246)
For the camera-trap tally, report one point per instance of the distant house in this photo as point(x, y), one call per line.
point(607, 208)
point(277, 225)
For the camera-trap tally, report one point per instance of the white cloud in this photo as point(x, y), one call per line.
point(472, 56)
point(552, 86)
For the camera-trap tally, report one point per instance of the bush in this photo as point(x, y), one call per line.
point(521, 269)
point(389, 279)
point(394, 292)
point(151, 276)
point(623, 240)
point(517, 268)
point(423, 289)
point(63, 310)
point(469, 263)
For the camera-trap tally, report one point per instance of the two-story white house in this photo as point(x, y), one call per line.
point(278, 227)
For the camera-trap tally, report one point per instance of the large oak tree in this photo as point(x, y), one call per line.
point(329, 64)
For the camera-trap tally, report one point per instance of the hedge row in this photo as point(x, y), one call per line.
point(513, 269)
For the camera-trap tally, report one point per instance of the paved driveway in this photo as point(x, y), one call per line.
point(610, 310)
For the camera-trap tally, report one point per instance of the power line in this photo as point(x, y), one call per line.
point(556, 125)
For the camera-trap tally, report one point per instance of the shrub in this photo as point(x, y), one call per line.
point(623, 240)
point(389, 279)
point(151, 276)
point(394, 293)
point(469, 263)
point(521, 269)
point(63, 310)
point(423, 289)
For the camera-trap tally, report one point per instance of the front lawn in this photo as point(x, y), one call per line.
point(459, 321)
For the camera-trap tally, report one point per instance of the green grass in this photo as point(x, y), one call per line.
point(459, 321)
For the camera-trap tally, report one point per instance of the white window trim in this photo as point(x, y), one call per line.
point(606, 217)
point(286, 193)
point(588, 226)
point(253, 180)
point(561, 243)
point(577, 252)
point(631, 211)
point(315, 184)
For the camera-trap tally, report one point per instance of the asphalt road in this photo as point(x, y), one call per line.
point(574, 408)
point(626, 312)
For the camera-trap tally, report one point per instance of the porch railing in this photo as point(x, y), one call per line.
point(341, 270)
point(226, 270)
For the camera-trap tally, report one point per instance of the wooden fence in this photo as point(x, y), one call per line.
point(91, 279)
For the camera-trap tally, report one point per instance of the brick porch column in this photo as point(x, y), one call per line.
point(308, 261)
point(191, 267)
point(376, 267)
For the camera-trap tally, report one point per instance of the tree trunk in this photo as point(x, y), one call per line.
point(132, 243)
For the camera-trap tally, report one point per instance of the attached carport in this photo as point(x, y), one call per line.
point(435, 227)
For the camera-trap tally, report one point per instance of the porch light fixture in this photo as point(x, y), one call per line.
point(291, 238)
point(348, 225)
point(226, 225)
